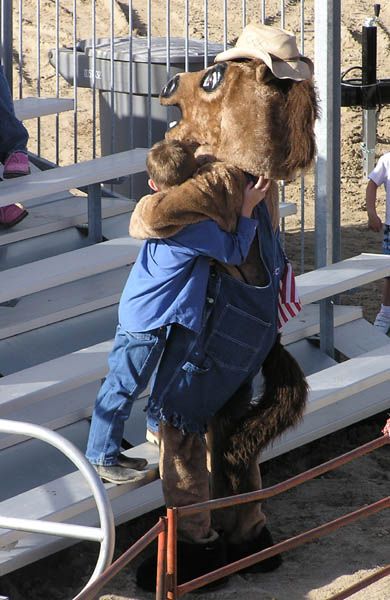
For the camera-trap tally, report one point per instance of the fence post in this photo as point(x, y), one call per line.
point(172, 554)
point(95, 213)
point(161, 588)
point(327, 201)
point(6, 41)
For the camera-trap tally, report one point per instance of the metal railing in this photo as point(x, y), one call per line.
point(166, 531)
point(67, 138)
point(104, 535)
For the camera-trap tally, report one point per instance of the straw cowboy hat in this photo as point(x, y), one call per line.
point(276, 47)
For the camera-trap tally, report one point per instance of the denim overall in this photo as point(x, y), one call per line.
point(199, 373)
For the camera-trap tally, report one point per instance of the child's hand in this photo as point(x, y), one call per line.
point(253, 195)
point(374, 223)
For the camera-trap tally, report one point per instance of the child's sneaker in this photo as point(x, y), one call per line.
point(11, 215)
point(382, 322)
point(16, 165)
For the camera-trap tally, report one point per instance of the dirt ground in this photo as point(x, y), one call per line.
point(322, 568)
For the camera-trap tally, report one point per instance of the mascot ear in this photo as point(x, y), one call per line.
point(301, 111)
point(263, 73)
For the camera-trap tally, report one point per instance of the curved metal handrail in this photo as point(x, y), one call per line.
point(105, 535)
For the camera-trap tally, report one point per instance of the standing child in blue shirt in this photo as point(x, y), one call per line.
point(166, 288)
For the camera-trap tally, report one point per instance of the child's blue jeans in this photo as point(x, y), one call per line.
point(13, 134)
point(132, 362)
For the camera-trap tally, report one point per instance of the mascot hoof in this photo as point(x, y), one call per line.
point(193, 560)
point(263, 541)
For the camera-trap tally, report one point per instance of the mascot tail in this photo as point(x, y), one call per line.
point(280, 407)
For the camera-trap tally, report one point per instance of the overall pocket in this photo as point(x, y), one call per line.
point(236, 338)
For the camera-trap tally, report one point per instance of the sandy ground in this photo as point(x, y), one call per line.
point(319, 570)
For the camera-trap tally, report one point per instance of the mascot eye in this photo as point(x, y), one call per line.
point(170, 87)
point(213, 78)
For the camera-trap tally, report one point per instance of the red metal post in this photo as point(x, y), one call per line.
point(161, 561)
point(172, 554)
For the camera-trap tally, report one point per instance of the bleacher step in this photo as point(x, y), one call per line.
point(353, 339)
point(33, 547)
point(60, 179)
point(307, 322)
point(348, 378)
point(62, 302)
point(33, 107)
point(68, 496)
point(313, 286)
point(329, 419)
point(71, 407)
point(286, 209)
point(67, 211)
point(62, 210)
point(88, 365)
point(101, 290)
point(342, 276)
point(54, 377)
point(70, 266)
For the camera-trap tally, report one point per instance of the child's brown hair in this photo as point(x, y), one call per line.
point(170, 163)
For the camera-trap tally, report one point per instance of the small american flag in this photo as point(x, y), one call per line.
point(289, 304)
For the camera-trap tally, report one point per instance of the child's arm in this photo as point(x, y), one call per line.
point(208, 239)
point(374, 222)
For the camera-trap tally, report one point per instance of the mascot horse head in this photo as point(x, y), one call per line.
point(255, 108)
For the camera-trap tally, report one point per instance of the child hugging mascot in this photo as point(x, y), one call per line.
point(253, 113)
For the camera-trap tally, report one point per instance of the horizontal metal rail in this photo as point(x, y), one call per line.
point(285, 485)
point(92, 534)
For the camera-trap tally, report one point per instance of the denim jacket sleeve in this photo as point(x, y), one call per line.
point(208, 239)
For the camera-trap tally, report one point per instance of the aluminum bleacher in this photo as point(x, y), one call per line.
point(57, 316)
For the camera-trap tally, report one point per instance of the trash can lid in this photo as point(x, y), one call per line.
point(158, 50)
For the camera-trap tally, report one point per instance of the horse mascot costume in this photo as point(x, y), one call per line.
point(252, 113)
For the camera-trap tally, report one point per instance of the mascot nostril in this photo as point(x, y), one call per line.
point(170, 87)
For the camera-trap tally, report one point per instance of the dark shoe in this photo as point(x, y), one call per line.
point(16, 165)
point(11, 215)
point(120, 475)
point(128, 462)
point(263, 541)
point(193, 560)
